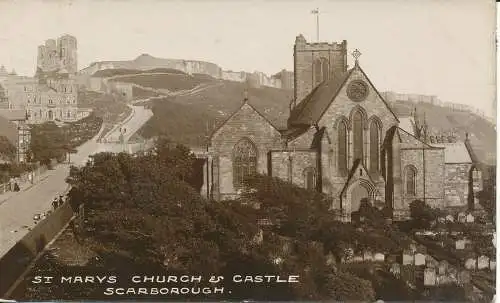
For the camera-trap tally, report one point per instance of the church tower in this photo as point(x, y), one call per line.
point(316, 62)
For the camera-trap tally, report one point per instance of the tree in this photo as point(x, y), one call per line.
point(422, 214)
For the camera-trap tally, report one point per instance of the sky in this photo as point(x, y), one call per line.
point(434, 47)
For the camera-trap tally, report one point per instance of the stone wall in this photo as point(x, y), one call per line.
point(19, 257)
point(456, 184)
point(304, 56)
point(299, 161)
point(245, 123)
point(429, 164)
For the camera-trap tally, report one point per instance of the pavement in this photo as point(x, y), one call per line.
point(17, 209)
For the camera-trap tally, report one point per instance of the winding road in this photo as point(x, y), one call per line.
point(18, 209)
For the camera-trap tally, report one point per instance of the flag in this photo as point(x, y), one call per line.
point(315, 11)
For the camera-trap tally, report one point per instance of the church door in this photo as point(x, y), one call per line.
point(358, 193)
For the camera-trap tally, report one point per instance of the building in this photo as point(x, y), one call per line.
point(52, 94)
point(22, 141)
point(55, 56)
point(342, 139)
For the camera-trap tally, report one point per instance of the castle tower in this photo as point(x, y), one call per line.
point(315, 63)
point(67, 48)
point(58, 55)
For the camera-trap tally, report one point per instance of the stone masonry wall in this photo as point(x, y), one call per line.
point(456, 184)
point(246, 123)
point(300, 160)
point(304, 56)
point(434, 175)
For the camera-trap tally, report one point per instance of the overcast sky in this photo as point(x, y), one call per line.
point(439, 47)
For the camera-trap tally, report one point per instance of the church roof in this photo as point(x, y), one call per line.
point(246, 102)
point(455, 152)
point(312, 107)
point(310, 110)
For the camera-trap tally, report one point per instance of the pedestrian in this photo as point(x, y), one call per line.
point(54, 203)
point(16, 187)
point(61, 201)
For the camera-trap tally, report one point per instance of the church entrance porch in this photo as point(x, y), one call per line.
point(358, 193)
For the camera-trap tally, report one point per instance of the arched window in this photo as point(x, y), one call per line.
point(342, 149)
point(374, 147)
point(321, 70)
point(310, 178)
point(357, 131)
point(411, 176)
point(244, 162)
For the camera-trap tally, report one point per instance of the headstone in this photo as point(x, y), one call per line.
point(419, 259)
point(430, 277)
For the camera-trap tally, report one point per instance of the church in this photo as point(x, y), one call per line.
point(342, 139)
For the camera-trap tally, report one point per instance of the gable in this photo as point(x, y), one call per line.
point(330, 100)
point(373, 106)
point(245, 122)
point(358, 173)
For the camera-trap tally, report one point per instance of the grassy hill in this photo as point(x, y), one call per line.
point(199, 114)
point(126, 71)
point(164, 81)
point(188, 119)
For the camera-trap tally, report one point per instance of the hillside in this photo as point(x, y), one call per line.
point(200, 113)
point(148, 62)
point(171, 82)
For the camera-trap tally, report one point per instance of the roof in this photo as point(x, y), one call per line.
point(13, 114)
point(407, 124)
point(455, 152)
point(245, 102)
point(311, 108)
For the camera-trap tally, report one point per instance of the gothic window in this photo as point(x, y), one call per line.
point(357, 130)
point(374, 147)
point(411, 176)
point(244, 162)
point(342, 149)
point(310, 178)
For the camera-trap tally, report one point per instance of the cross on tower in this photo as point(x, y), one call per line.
point(356, 54)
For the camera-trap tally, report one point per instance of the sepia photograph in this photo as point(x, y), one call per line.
point(248, 151)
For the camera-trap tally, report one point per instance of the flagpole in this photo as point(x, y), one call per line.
point(316, 12)
point(317, 24)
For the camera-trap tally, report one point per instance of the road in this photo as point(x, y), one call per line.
point(132, 124)
point(17, 211)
